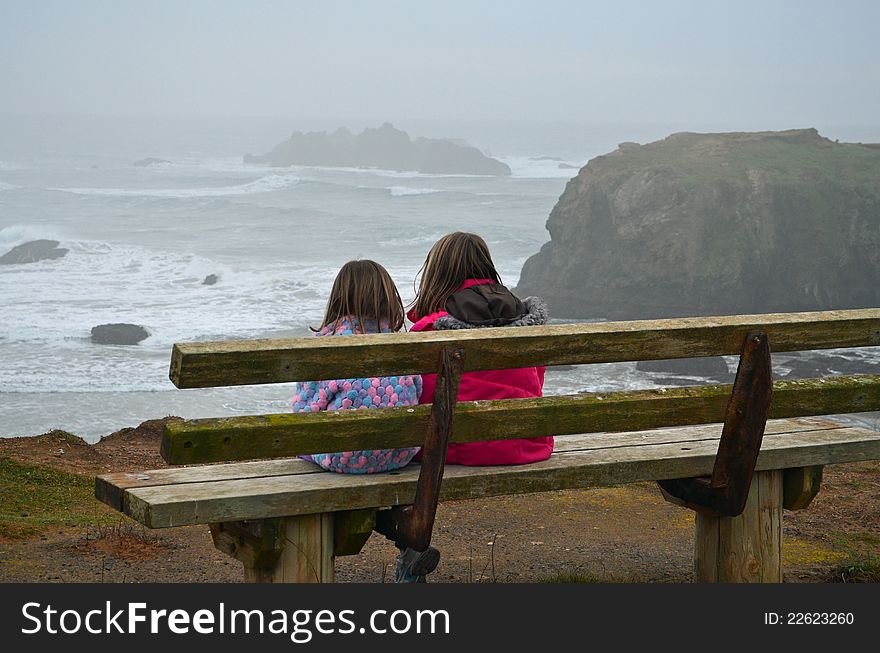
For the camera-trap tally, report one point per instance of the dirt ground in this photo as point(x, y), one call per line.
point(620, 534)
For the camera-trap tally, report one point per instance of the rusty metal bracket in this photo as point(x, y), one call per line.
point(413, 525)
point(725, 492)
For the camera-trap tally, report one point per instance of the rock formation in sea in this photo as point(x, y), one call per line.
point(807, 365)
point(713, 224)
point(710, 367)
point(385, 147)
point(119, 334)
point(30, 252)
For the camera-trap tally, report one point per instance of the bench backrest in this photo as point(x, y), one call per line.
point(229, 363)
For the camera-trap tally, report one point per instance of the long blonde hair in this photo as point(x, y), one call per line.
point(453, 259)
point(364, 290)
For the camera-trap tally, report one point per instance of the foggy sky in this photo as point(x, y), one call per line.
point(794, 63)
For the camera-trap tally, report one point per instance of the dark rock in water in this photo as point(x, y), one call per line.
point(35, 250)
point(808, 367)
point(714, 224)
point(119, 334)
point(210, 280)
point(567, 166)
point(712, 367)
point(149, 161)
point(385, 147)
point(681, 381)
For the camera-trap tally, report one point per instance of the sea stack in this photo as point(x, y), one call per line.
point(384, 147)
point(714, 224)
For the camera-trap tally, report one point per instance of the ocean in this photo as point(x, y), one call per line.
point(141, 241)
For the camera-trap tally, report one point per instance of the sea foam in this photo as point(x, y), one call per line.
point(401, 191)
point(57, 302)
point(265, 184)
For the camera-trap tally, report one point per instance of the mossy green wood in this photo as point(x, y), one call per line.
point(244, 362)
point(284, 435)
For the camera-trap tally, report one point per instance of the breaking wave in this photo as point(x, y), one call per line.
point(265, 184)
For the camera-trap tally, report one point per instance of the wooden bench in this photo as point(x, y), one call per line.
point(286, 520)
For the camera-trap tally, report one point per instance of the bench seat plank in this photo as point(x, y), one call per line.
point(110, 486)
point(581, 461)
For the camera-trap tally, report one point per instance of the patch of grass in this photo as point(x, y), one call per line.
point(850, 541)
point(36, 498)
point(863, 569)
point(862, 539)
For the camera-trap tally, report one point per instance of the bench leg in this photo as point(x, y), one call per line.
point(308, 552)
point(284, 550)
point(746, 548)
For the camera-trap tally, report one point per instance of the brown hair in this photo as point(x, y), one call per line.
point(452, 260)
point(364, 290)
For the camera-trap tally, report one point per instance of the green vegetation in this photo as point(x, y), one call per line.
point(850, 542)
point(789, 156)
point(36, 498)
point(859, 569)
point(859, 560)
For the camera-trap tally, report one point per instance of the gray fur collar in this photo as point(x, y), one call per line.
point(536, 316)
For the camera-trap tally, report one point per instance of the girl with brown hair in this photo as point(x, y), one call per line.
point(363, 299)
point(460, 288)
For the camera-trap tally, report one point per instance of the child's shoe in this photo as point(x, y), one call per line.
point(412, 566)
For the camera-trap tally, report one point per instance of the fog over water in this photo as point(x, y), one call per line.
point(92, 87)
point(786, 63)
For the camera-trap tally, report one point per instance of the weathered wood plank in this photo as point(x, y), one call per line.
point(746, 548)
point(244, 362)
point(112, 485)
point(231, 500)
point(109, 487)
point(284, 435)
point(681, 434)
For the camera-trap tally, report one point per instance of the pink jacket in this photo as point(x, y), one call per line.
point(492, 384)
